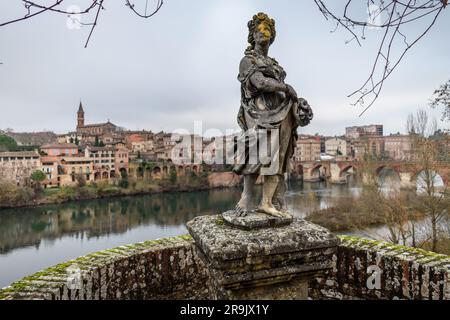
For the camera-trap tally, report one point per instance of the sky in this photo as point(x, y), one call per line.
point(181, 66)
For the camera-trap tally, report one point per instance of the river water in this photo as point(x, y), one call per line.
point(32, 239)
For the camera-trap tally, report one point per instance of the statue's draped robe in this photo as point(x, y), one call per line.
point(265, 110)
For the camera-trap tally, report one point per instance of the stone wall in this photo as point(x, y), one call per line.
point(160, 269)
point(223, 179)
point(366, 269)
point(172, 269)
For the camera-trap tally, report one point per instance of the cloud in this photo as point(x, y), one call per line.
point(181, 65)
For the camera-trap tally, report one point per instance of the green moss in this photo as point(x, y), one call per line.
point(186, 237)
point(219, 221)
point(423, 254)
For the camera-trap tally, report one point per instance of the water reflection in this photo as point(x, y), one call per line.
point(34, 238)
point(97, 218)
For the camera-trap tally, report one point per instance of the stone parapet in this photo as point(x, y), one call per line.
point(160, 269)
point(262, 263)
point(368, 269)
point(174, 268)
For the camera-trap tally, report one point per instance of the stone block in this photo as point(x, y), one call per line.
point(262, 263)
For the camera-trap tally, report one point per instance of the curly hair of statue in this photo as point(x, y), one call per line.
point(254, 23)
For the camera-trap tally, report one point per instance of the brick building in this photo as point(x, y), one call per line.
point(307, 149)
point(16, 167)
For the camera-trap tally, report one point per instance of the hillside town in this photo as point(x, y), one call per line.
point(106, 152)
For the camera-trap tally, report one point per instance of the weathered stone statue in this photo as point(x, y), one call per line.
point(247, 257)
point(269, 106)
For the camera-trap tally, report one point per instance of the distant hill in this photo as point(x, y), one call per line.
point(32, 138)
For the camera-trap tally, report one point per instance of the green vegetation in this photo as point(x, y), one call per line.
point(348, 213)
point(12, 195)
point(30, 195)
point(7, 143)
point(38, 176)
point(98, 143)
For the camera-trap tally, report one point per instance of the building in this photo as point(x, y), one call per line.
point(121, 161)
point(60, 149)
point(360, 131)
point(95, 164)
point(17, 167)
point(142, 146)
point(97, 129)
point(66, 170)
point(336, 147)
point(163, 153)
point(52, 170)
point(369, 145)
point(307, 150)
point(398, 147)
point(108, 162)
point(71, 137)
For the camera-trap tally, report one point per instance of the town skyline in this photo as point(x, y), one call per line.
point(303, 131)
point(163, 74)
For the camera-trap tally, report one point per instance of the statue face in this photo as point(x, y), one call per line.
point(262, 34)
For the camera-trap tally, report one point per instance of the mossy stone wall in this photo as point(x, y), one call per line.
point(402, 273)
point(172, 269)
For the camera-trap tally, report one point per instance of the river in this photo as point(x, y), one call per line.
point(32, 239)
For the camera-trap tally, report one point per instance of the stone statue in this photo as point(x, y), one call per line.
point(268, 105)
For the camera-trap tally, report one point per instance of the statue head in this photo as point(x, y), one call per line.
point(261, 29)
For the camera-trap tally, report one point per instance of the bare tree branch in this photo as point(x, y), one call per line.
point(33, 8)
point(441, 98)
point(391, 16)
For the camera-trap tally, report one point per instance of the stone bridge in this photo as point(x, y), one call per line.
point(338, 171)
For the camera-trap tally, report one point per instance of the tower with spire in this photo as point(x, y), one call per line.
point(80, 116)
point(93, 129)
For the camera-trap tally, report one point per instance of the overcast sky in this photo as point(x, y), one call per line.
point(180, 66)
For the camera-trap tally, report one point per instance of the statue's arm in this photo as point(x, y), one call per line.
point(266, 84)
point(261, 82)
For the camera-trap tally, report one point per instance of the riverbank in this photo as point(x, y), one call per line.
point(21, 197)
point(398, 217)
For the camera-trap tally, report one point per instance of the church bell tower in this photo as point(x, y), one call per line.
point(80, 116)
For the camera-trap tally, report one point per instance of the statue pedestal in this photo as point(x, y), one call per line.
point(263, 263)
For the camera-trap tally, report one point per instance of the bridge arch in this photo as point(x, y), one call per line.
point(299, 170)
point(156, 173)
point(422, 179)
point(388, 175)
point(347, 169)
point(318, 172)
point(386, 167)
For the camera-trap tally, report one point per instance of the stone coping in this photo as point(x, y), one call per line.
point(419, 256)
